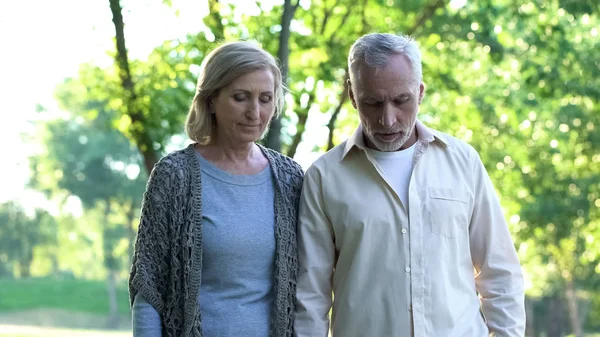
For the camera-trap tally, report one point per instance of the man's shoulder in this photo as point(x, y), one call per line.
point(452, 143)
point(331, 157)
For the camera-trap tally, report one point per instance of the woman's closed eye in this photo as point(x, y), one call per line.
point(239, 97)
point(266, 99)
point(243, 97)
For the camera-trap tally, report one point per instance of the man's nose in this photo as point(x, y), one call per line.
point(388, 116)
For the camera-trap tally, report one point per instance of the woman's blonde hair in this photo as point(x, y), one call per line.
point(219, 68)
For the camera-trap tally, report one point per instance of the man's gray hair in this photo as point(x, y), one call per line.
point(374, 50)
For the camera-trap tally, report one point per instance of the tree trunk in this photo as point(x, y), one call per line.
point(109, 262)
point(555, 328)
point(584, 305)
point(26, 258)
point(273, 139)
point(298, 136)
point(140, 135)
point(25, 267)
point(529, 314)
point(130, 232)
point(54, 261)
point(113, 307)
point(573, 310)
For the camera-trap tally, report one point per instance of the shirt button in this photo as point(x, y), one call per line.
point(407, 269)
point(403, 230)
point(410, 308)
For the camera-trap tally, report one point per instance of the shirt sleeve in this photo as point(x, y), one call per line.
point(146, 320)
point(316, 256)
point(499, 278)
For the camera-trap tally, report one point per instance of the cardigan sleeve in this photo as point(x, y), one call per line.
point(150, 263)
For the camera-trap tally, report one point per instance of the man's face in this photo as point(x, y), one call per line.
point(387, 101)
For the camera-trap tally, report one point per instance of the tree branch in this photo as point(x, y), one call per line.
point(301, 126)
point(140, 136)
point(336, 112)
point(342, 23)
point(365, 25)
point(273, 139)
point(426, 14)
point(344, 93)
point(215, 21)
point(326, 15)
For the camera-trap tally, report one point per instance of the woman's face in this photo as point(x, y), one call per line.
point(244, 108)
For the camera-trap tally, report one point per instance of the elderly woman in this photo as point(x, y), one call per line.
point(216, 247)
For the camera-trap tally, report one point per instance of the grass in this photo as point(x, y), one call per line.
point(19, 331)
point(81, 296)
point(27, 331)
point(70, 295)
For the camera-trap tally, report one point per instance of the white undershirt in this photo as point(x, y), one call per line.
point(397, 168)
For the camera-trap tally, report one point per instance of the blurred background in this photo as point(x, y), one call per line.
point(93, 93)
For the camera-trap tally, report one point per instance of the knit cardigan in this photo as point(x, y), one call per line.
point(167, 261)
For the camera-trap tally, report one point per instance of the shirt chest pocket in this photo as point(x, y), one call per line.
point(448, 212)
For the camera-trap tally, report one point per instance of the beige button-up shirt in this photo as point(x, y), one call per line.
point(406, 270)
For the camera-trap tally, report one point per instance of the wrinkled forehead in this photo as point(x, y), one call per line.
point(385, 81)
point(397, 67)
point(255, 80)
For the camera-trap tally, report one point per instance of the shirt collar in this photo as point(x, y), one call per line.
point(425, 134)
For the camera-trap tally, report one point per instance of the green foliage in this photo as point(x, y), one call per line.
point(517, 80)
point(87, 157)
point(20, 234)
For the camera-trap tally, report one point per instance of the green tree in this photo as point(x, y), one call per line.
point(517, 80)
point(524, 98)
point(89, 159)
point(20, 234)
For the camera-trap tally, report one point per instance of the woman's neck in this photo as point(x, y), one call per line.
point(246, 159)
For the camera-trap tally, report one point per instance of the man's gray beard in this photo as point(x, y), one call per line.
point(388, 147)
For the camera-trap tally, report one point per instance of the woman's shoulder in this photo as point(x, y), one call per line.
point(284, 163)
point(175, 164)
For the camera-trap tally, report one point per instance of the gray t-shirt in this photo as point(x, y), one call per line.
point(236, 292)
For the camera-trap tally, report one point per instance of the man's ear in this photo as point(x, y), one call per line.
point(351, 94)
point(421, 92)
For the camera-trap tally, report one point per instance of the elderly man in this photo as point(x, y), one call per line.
point(401, 222)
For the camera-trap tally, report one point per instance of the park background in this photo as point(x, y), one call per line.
point(93, 93)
